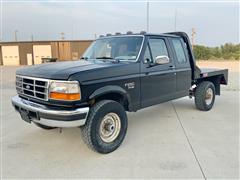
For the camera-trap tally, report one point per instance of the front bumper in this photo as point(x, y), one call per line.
point(49, 116)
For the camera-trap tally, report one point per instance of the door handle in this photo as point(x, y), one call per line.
point(172, 67)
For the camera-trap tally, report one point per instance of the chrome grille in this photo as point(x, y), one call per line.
point(32, 87)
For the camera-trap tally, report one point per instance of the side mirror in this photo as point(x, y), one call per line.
point(162, 60)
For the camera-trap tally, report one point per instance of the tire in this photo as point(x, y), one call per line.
point(205, 96)
point(95, 128)
point(43, 126)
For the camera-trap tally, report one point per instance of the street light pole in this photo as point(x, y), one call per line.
point(175, 21)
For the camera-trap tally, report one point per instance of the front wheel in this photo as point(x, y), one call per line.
point(106, 126)
point(205, 96)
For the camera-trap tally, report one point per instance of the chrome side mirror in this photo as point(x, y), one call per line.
point(162, 60)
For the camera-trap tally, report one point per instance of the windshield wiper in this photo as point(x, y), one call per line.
point(85, 58)
point(104, 57)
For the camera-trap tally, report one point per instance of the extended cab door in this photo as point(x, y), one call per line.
point(182, 64)
point(158, 81)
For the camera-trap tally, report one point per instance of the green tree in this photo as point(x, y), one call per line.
point(226, 51)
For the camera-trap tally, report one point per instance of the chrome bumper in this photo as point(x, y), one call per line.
point(48, 116)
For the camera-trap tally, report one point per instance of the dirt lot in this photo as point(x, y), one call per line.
point(233, 68)
point(170, 140)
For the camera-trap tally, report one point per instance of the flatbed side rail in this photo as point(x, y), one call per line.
point(217, 77)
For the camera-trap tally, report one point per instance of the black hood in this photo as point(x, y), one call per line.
point(63, 70)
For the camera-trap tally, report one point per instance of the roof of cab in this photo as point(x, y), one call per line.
point(138, 34)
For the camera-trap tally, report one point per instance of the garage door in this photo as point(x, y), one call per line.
point(10, 55)
point(41, 51)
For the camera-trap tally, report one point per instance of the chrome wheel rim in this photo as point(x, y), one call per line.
point(110, 127)
point(209, 96)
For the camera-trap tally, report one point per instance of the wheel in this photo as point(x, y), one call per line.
point(106, 126)
point(43, 126)
point(205, 96)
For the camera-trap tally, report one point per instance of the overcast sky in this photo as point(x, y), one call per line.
point(215, 23)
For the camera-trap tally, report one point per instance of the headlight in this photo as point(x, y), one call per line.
point(64, 90)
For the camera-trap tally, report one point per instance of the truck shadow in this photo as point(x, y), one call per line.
point(69, 139)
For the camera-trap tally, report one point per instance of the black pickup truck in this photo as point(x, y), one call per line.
point(117, 73)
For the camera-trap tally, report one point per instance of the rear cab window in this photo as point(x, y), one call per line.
point(180, 53)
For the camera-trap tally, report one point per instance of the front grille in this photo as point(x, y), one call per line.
point(32, 87)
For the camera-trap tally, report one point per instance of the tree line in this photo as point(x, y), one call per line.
point(226, 51)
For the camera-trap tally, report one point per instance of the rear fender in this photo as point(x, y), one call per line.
point(216, 80)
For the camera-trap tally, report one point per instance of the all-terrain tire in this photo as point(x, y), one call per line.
point(203, 101)
point(43, 126)
point(91, 130)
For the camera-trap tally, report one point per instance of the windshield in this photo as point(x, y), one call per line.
point(118, 48)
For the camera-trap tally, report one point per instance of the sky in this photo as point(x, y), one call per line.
point(215, 23)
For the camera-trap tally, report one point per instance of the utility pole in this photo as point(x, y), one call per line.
point(175, 21)
point(193, 36)
point(72, 31)
point(15, 35)
point(62, 35)
point(147, 16)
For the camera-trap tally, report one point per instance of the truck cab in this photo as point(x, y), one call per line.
point(117, 73)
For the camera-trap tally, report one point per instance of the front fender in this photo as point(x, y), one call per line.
point(110, 89)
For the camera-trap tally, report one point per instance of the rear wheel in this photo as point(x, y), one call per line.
point(44, 127)
point(205, 96)
point(106, 126)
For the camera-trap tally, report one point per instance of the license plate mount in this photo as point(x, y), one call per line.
point(25, 115)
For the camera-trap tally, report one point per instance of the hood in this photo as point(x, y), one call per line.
point(59, 70)
point(63, 70)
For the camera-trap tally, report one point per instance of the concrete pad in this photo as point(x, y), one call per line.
point(157, 149)
point(160, 143)
point(214, 135)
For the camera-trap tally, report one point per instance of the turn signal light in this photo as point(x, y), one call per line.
point(64, 96)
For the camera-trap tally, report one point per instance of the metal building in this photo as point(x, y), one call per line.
point(32, 52)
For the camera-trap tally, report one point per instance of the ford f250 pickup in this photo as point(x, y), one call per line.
point(117, 73)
